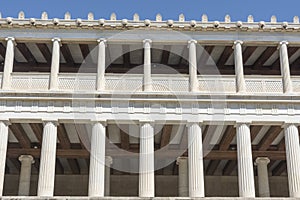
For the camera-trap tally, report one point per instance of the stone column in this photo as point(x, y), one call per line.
point(3, 149)
point(146, 177)
point(285, 67)
point(245, 162)
point(25, 174)
point(101, 65)
point(147, 65)
point(8, 63)
point(108, 162)
point(55, 64)
point(193, 65)
point(263, 177)
point(97, 160)
point(183, 177)
point(195, 161)
point(48, 157)
point(239, 66)
point(292, 158)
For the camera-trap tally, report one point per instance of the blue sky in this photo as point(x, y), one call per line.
point(170, 9)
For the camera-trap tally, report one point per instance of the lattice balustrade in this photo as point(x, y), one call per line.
point(264, 84)
point(170, 83)
point(77, 82)
point(217, 84)
point(123, 83)
point(32, 81)
point(296, 84)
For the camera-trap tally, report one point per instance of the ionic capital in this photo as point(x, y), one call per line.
point(56, 39)
point(147, 43)
point(286, 43)
point(108, 160)
point(26, 158)
point(240, 42)
point(192, 41)
point(181, 159)
point(12, 39)
point(102, 40)
point(262, 161)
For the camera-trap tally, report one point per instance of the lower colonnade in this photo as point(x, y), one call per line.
point(191, 177)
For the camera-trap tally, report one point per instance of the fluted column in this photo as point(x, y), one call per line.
point(108, 162)
point(245, 163)
point(8, 63)
point(55, 64)
point(146, 176)
point(193, 65)
point(239, 66)
point(195, 161)
point(263, 177)
point(48, 157)
point(183, 177)
point(147, 65)
point(285, 67)
point(25, 174)
point(101, 65)
point(97, 160)
point(292, 158)
point(3, 150)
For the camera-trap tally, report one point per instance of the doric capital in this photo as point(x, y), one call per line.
point(146, 121)
point(192, 41)
point(28, 158)
point(285, 43)
point(190, 123)
point(103, 122)
point(108, 160)
point(56, 39)
point(262, 160)
point(240, 123)
point(12, 39)
point(5, 121)
point(288, 124)
point(53, 121)
point(181, 159)
point(147, 43)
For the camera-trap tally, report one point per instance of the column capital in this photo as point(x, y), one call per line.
point(26, 158)
point(56, 39)
point(237, 42)
point(181, 159)
point(239, 123)
point(147, 42)
point(108, 160)
point(102, 40)
point(6, 122)
point(287, 124)
point(192, 41)
point(262, 160)
point(11, 39)
point(103, 122)
point(190, 123)
point(282, 43)
point(54, 122)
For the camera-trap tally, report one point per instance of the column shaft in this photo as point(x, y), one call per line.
point(285, 67)
point(239, 67)
point(55, 64)
point(147, 65)
point(193, 65)
point(108, 162)
point(101, 65)
point(3, 150)
point(293, 159)
point(183, 177)
point(97, 160)
point(195, 161)
point(263, 177)
point(48, 157)
point(25, 175)
point(146, 182)
point(8, 63)
point(245, 163)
